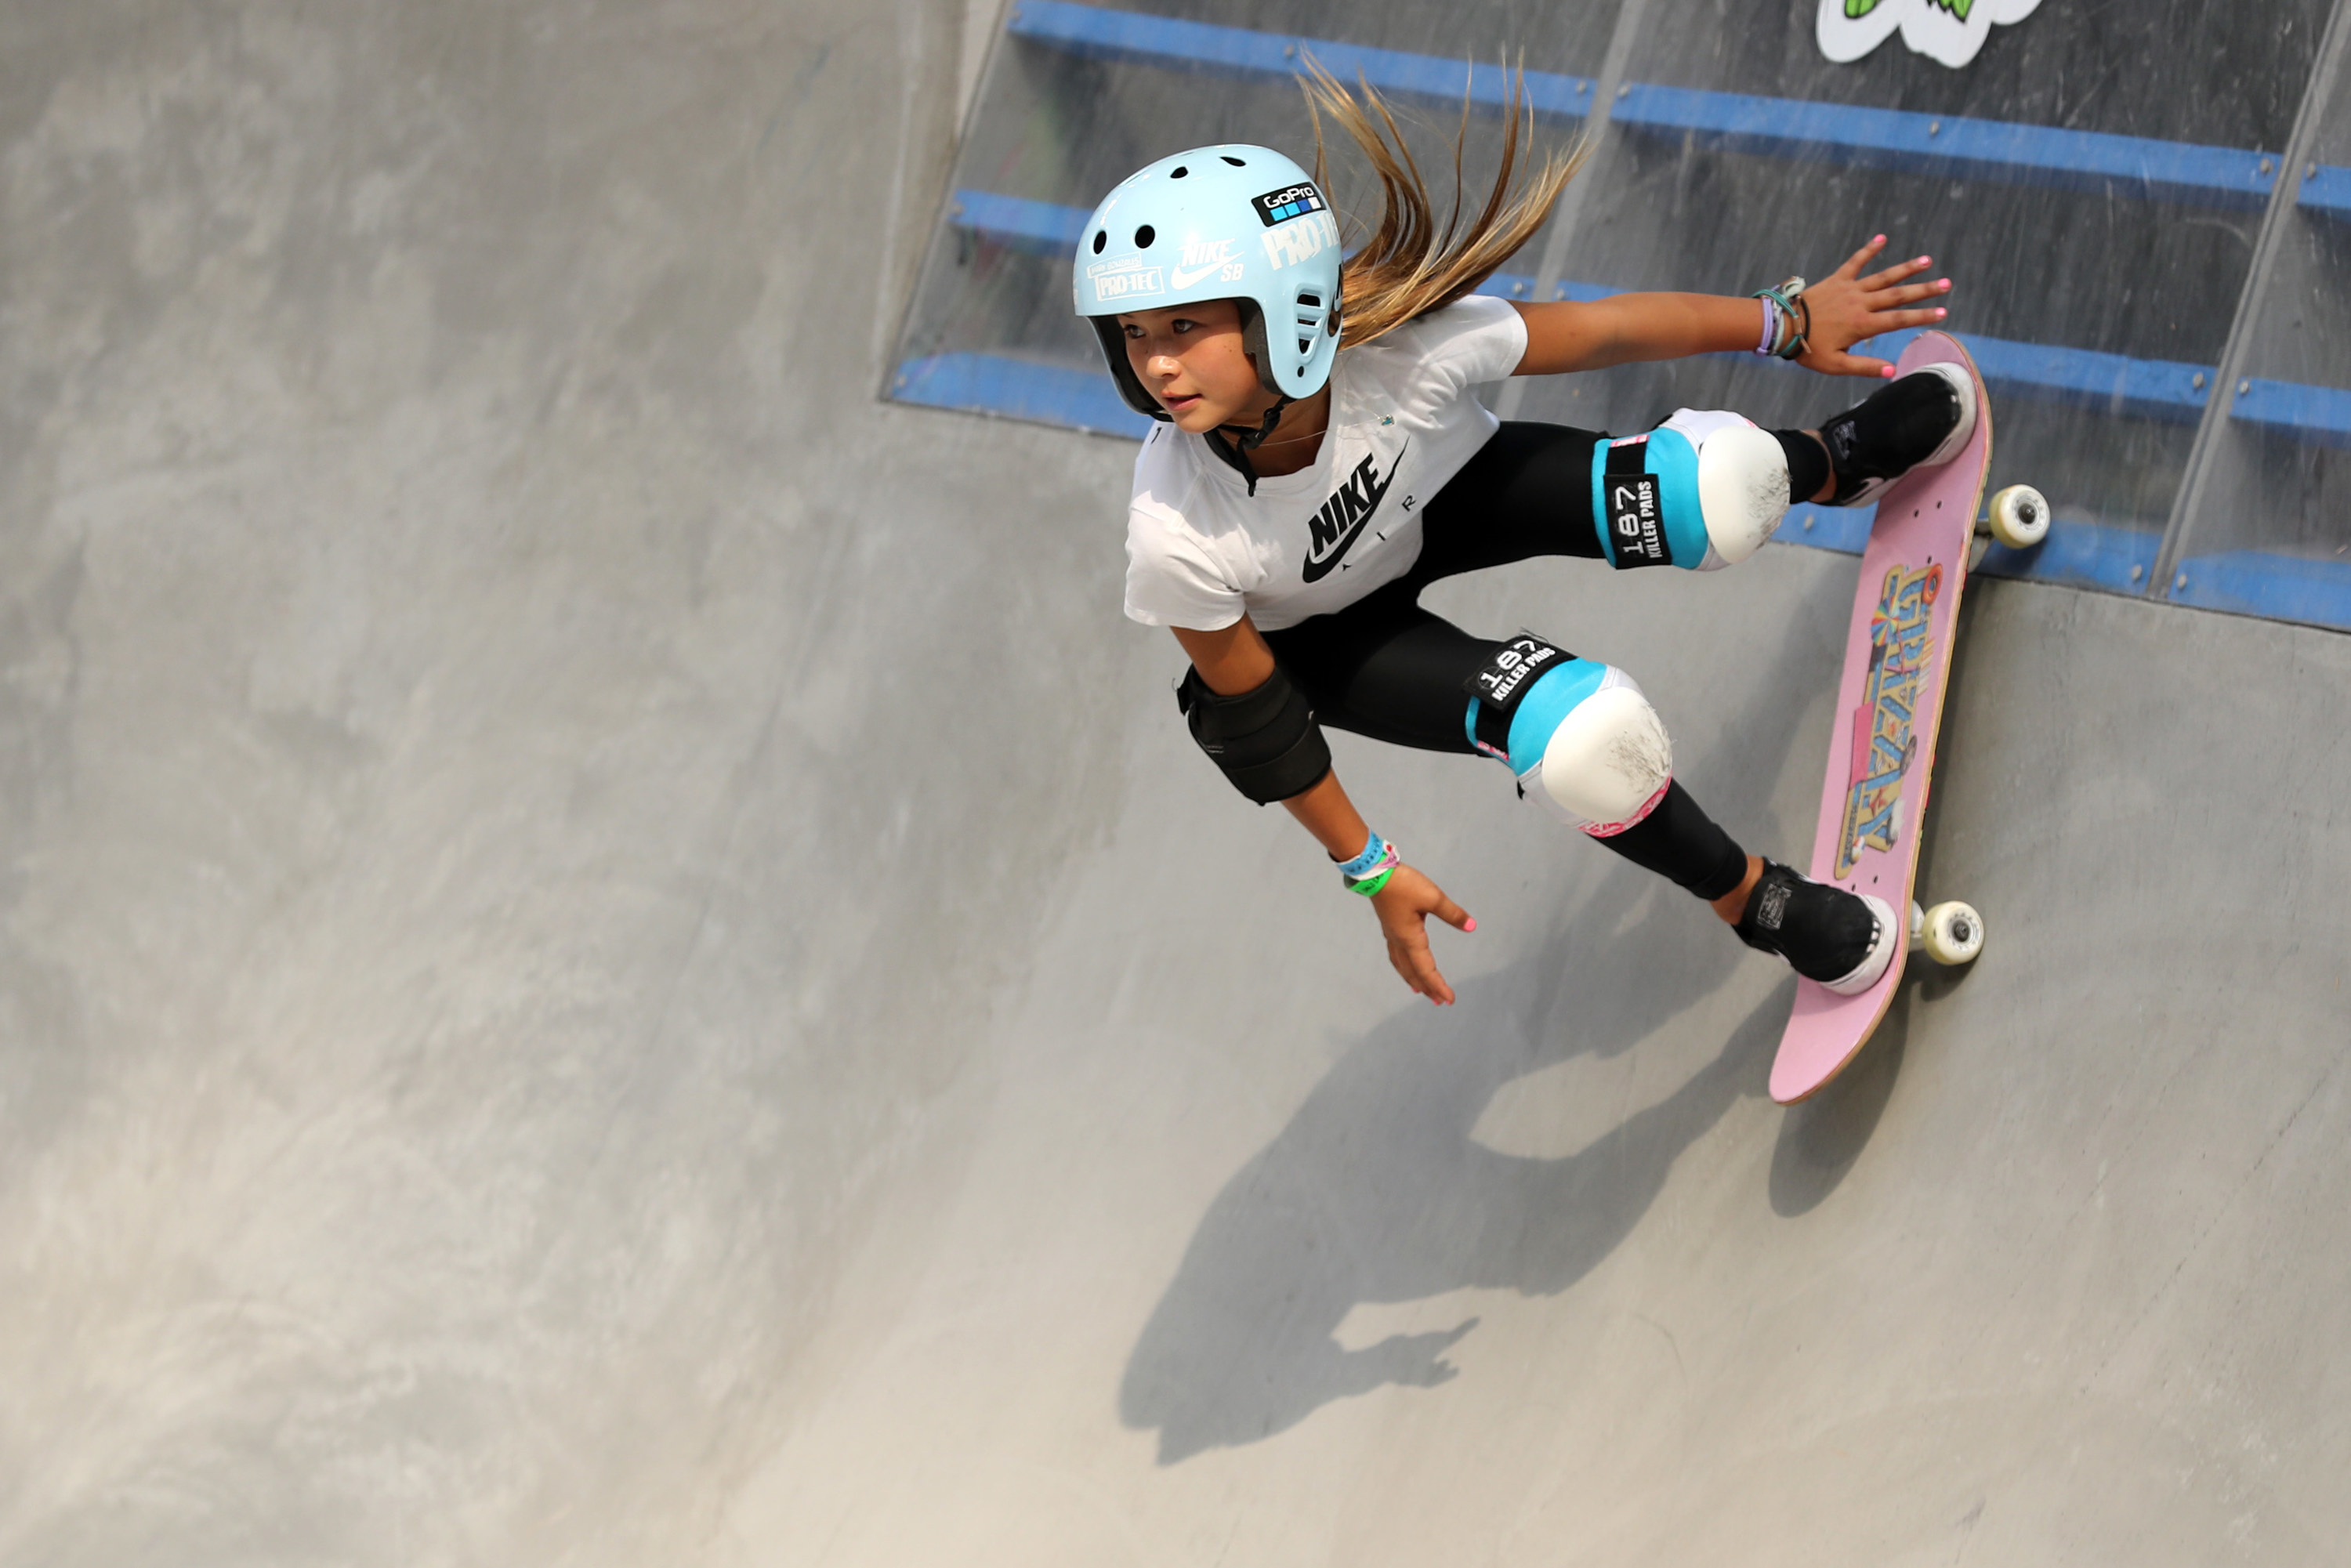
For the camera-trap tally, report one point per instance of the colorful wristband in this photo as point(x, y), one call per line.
point(1369, 871)
point(1785, 297)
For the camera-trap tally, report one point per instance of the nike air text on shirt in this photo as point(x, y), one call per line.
point(1202, 551)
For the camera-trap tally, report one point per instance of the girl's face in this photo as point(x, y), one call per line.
point(1190, 357)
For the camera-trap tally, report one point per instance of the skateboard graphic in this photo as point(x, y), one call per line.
point(1889, 706)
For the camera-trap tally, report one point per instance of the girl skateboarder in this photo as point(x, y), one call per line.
point(1317, 460)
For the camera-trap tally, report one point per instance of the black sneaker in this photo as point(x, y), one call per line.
point(1923, 419)
point(1843, 940)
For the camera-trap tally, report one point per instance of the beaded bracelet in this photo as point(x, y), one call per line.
point(1369, 871)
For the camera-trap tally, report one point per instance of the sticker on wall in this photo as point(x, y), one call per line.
point(1950, 30)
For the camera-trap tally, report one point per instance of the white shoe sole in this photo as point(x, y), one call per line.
point(1881, 952)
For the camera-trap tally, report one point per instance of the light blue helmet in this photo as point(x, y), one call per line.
point(1234, 222)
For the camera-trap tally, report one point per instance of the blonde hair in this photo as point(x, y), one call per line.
point(1409, 265)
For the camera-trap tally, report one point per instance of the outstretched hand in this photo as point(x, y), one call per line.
point(1847, 307)
point(1404, 907)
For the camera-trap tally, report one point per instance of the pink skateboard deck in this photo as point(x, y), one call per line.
point(1889, 706)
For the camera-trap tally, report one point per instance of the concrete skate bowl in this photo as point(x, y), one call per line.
point(615, 955)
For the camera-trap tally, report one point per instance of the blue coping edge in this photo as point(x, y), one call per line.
point(2262, 582)
point(1942, 145)
point(2076, 553)
point(2089, 554)
point(1018, 389)
point(1095, 34)
point(2093, 555)
point(2328, 192)
point(1952, 145)
point(2320, 416)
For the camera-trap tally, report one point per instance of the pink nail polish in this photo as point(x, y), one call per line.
point(1471, 924)
point(1940, 313)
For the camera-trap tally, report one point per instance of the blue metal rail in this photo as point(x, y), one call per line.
point(1951, 146)
point(2326, 191)
point(1129, 36)
point(2320, 416)
point(2156, 389)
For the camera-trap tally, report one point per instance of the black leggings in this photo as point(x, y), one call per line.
point(1385, 668)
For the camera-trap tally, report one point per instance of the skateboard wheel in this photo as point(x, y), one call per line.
point(1954, 933)
point(2019, 516)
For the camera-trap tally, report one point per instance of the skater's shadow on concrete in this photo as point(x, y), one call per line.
point(1377, 1191)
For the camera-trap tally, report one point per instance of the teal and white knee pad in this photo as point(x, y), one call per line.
point(1584, 743)
point(1703, 490)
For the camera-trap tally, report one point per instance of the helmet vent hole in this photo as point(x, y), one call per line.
point(1305, 345)
point(1143, 236)
point(1179, 173)
point(1233, 161)
point(1309, 300)
point(1101, 238)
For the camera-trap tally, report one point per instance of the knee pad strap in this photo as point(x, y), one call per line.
point(1645, 500)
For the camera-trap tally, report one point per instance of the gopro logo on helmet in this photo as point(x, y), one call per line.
point(1290, 202)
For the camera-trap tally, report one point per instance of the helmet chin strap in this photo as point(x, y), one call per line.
point(1253, 439)
point(1235, 455)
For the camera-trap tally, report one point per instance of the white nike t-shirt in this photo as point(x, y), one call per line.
point(1201, 551)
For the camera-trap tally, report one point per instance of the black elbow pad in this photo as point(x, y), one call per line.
point(1266, 740)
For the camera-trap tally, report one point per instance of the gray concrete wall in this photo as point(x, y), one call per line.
point(614, 954)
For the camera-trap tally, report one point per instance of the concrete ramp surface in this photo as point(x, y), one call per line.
point(614, 954)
